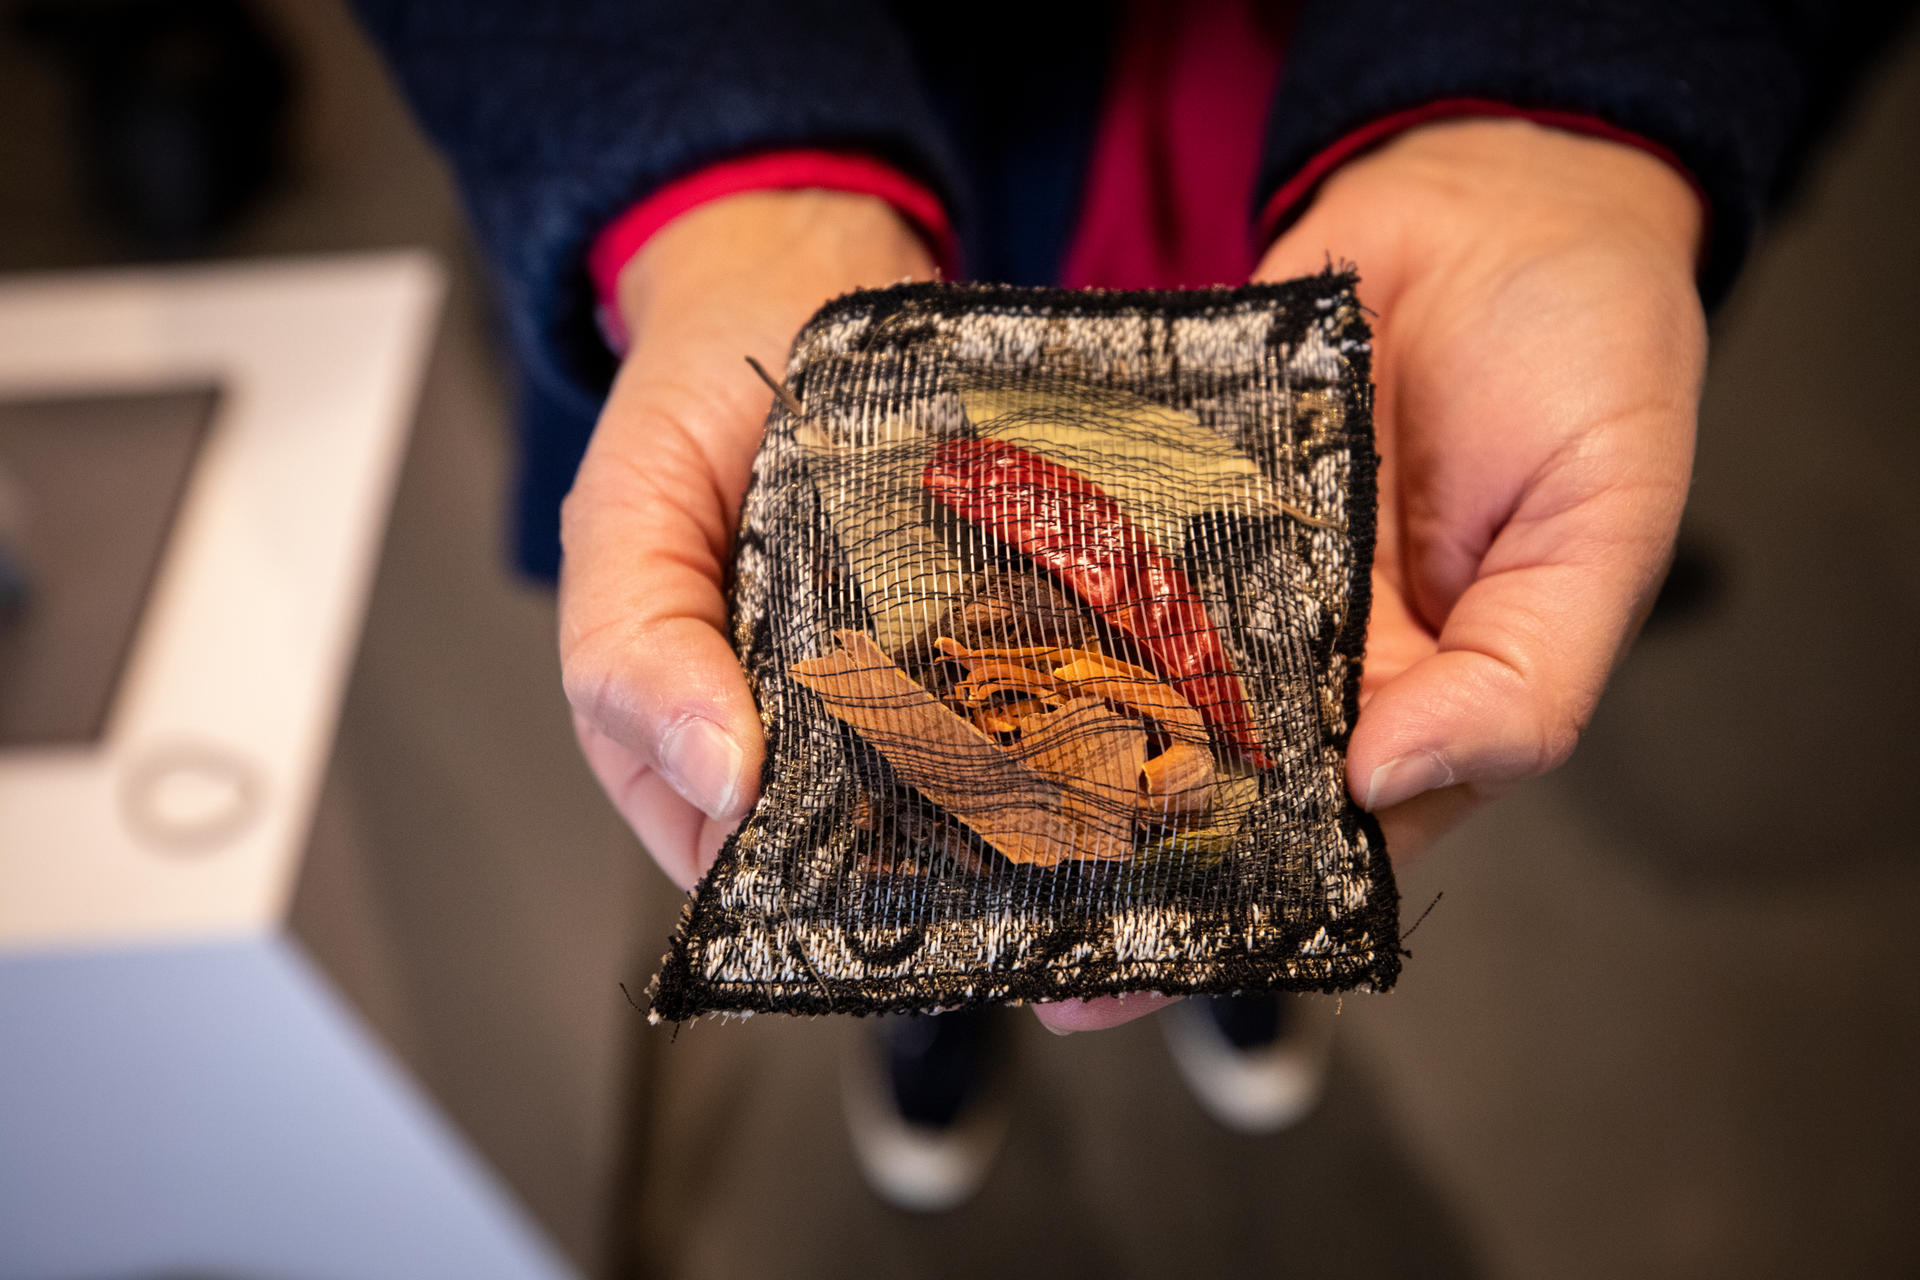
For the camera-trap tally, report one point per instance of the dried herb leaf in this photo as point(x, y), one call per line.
point(1132, 448)
point(871, 496)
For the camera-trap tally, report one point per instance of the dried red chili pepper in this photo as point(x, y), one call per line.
point(1074, 531)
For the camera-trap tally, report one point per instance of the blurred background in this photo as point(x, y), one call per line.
point(1663, 1022)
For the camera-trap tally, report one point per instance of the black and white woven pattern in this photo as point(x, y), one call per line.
point(1233, 428)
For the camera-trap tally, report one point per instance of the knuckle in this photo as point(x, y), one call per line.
point(593, 678)
point(1559, 733)
point(585, 681)
point(604, 483)
point(572, 516)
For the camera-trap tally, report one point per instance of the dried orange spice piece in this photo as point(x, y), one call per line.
point(1137, 689)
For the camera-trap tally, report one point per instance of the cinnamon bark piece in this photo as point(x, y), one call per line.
point(1094, 756)
point(1004, 800)
point(1177, 783)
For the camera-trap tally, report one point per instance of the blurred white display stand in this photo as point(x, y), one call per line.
point(181, 1089)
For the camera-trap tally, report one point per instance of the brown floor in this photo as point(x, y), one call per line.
point(1664, 1021)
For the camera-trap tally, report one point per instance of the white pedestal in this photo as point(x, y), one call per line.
point(180, 1087)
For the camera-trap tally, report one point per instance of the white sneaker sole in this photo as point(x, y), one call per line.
point(913, 1167)
point(1251, 1090)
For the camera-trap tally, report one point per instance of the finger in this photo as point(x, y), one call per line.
point(1063, 1017)
point(1396, 639)
point(684, 841)
point(1413, 826)
point(1322, 239)
point(646, 533)
point(1525, 650)
point(647, 530)
point(670, 829)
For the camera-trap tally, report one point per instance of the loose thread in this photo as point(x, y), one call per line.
point(637, 1009)
point(1316, 521)
point(1424, 915)
point(786, 397)
point(799, 953)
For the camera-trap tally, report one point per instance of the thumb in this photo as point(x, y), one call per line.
point(646, 533)
point(1526, 648)
point(647, 529)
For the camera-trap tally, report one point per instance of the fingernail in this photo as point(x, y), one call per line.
point(702, 762)
point(1059, 1031)
point(1405, 777)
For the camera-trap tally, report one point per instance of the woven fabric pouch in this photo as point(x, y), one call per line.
point(1053, 604)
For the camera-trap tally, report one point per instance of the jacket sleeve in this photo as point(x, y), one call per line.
point(1734, 91)
point(558, 116)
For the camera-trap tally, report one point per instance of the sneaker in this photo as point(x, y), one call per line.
point(1254, 1062)
point(926, 1106)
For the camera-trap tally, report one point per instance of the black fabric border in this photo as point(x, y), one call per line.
point(677, 993)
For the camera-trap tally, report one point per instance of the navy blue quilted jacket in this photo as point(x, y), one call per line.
point(559, 114)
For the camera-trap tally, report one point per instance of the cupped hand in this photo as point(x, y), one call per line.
point(660, 704)
point(1538, 351)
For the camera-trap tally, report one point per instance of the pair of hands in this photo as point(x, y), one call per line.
point(1539, 346)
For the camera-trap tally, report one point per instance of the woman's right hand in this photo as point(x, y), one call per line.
point(660, 704)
